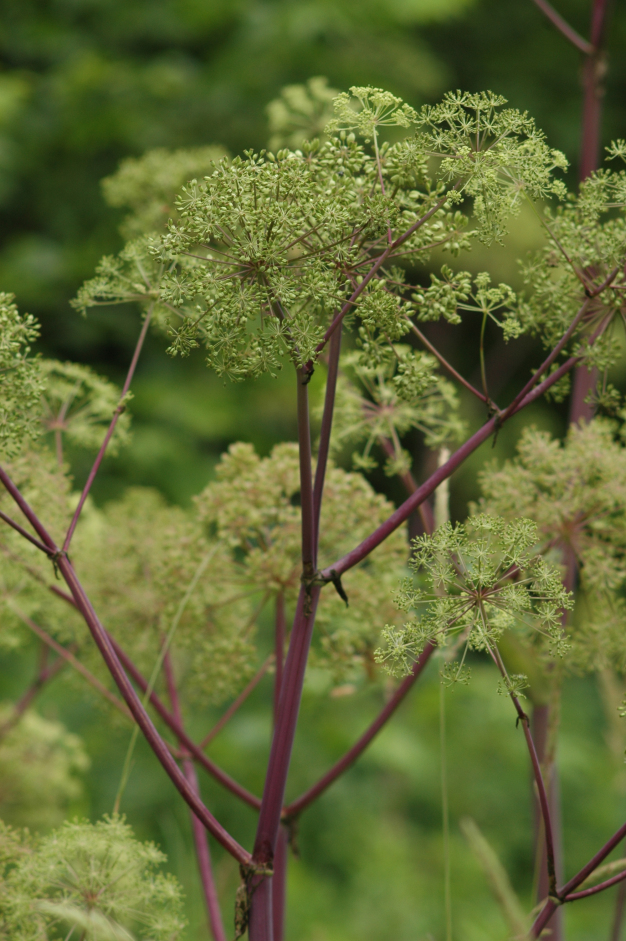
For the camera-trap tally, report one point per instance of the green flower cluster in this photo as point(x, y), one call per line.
point(93, 880)
point(575, 491)
point(377, 404)
point(253, 510)
point(481, 578)
point(262, 253)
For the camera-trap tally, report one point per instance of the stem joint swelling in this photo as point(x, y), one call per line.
point(251, 876)
point(311, 578)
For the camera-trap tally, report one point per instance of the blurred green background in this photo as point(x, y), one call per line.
point(84, 83)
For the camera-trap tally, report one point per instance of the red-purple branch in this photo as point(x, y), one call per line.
point(196, 750)
point(563, 27)
point(109, 656)
point(370, 543)
point(118, 411)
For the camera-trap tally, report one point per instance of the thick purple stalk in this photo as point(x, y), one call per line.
point(302, 802)
point(200, 836)
point(279, 883)
point(261, 928)
point(279, 648)
point(118, 411)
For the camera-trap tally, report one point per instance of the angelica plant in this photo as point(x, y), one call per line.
point(274, 260)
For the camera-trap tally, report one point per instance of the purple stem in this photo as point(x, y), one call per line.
point(44, 674)
point(200, 836)
point(68, 657)
point(224, 779)
point(544, 916)
point(563, 27)
point(410, 485)
point(279, 648)
point(596, 888)
point(302, 802)
point(541, 788)
point(280, 756)
point(118, 411)
point(444, 362)
point(380, 261)
point(19, 529)
point(360, 552)
point(279, 883)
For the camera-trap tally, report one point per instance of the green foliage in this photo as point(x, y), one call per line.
point(498, 156)
point(96, 879)
point(20, 378)
point(482, 577)
point(41, 765)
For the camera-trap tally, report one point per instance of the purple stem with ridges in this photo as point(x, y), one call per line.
point(280, 756)
point(118, 411)
point(279, 883)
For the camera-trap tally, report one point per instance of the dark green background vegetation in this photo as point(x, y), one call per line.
point(84, 83)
